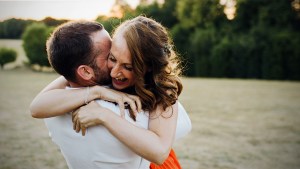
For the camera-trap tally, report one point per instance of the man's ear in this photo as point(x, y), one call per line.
point(85, 72)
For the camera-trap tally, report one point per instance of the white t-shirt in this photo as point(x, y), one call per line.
point(99, 149)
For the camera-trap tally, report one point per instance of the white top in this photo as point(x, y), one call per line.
point(99, 149)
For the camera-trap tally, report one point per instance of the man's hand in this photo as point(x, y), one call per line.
point(121, 99)
point(87, 116)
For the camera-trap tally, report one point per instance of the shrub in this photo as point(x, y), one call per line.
point(34, 43)
point(6, 56)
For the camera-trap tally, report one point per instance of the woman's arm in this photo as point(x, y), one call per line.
point(153, 144)
point(54, 100)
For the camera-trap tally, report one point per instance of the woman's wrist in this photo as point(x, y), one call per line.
point(95, 92)
point(104, 116)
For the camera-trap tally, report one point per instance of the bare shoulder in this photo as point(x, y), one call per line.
point(163, 122)
point(169, 112)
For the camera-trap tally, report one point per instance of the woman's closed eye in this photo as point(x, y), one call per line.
point(128, 67)
point(112, 58)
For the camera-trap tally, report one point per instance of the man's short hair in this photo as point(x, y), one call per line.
point(70, 45)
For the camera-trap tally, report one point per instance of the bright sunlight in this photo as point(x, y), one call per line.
point(60, 9)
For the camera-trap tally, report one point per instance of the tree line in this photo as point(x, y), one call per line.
point(260, 41)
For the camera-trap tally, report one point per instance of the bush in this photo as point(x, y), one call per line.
point(34, 43)
point(6, 56)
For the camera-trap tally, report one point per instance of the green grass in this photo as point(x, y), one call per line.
point(237, 124)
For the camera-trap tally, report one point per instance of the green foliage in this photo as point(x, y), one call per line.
point(281, 59)
point(168, 14)
point(260, 42)
point(13, 28)
point(199, 13)
point(180, 35)
point(6, 56)
point(165, 13)
point(109, 23)
point(34, 43)
point(48, 21)
point(202, 41)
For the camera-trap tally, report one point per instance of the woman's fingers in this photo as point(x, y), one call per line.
point(77, 126)
point(75, 121)
point(132, 105)
point(133, 101)
point(83, 130)
point(121, 99)
point(122, 108)
point(137, 101)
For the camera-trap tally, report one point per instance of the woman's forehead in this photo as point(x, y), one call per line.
point(120, 49)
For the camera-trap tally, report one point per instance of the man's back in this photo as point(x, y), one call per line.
point(98, 148)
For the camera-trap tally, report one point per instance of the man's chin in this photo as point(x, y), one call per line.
point(104, 82)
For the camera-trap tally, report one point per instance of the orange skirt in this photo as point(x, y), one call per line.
point(170, 163)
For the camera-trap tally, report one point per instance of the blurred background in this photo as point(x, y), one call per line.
point(215, 38)
point(241, 72)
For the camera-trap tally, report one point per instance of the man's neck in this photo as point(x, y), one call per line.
point(75, 85)
point(81, 83)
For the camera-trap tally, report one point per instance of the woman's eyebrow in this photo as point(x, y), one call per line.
point(127, 64)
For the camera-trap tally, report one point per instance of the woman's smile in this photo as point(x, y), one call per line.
point(119, 82)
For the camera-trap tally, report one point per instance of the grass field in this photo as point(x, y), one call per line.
point(237, 124)
point(17, 45)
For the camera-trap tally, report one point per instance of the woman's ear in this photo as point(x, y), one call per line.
point(85, 72)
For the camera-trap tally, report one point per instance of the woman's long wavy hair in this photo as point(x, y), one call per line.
point(155, 63)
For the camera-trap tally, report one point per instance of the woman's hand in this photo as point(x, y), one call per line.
point(89, 115)
point(122, 99)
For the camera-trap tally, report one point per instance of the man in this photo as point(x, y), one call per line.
point(78, 51)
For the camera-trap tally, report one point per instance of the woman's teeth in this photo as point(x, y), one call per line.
point(120, 79)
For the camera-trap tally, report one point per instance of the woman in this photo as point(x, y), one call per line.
point(142, 62)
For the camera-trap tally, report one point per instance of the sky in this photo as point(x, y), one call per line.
point(60, 9)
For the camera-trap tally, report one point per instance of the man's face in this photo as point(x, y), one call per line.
point(102, 45)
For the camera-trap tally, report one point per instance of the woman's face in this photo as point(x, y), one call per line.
point(120, 64)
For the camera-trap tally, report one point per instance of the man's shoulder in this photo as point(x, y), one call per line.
point(107, 104)
point(141, 119)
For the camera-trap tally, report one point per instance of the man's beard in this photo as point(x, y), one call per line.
point(101, 77)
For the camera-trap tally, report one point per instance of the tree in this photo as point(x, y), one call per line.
point(164, 13)
point(202, 43)
point(13, 28)
point(180, 38)
point(34, 43)
point(6, 56)
point(199, 13)
point(53, 22)
point(109, 23)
